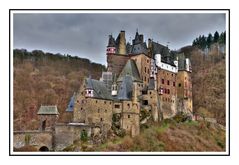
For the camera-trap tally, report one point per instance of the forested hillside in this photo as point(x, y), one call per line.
point(209, 79)
point(47, 79)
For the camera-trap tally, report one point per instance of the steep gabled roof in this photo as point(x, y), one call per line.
point(126, 88)
point(99, 89)
point(70, 106)
point(131, 70)
point(48, 110)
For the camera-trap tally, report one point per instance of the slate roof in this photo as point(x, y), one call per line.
point(71, 104)
point(139, 48)
point(48, 110)
point(99, 89)
point(126, 88)
point(167, 56)
point(111, 42)
point(131, 70)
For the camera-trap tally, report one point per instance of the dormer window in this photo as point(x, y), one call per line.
point(89, 93)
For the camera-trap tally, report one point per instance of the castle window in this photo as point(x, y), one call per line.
point(147, 61)
point(145, 102)
point(128, 116)
point(144, 78)
point(148, 71)
point(110, 103)
point(179, 85)
point(117, 106)
point(172, 75)
point(174, 84)
point(96, 101)
point(105, 111)
point(98, 110)
point(150, 93)
point(145, 69)
point(168, 91)
point(168, 82)
point(101, 119)
point(128, 105)
point(162, 81)
point(104, 102)
point(81, 108)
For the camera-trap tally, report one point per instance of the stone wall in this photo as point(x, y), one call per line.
point(66, 134)
point(166, 85)
point(130, 118)
point(184, 92)
point(34, 138)
point(143, 64)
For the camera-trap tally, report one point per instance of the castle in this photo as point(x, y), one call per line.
point(139, 78)
point(143, 83)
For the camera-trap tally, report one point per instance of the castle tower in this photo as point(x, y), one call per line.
point(184, 85)
point(48, 117)
point(116, 53)
point(121, 43)
point(111, 46)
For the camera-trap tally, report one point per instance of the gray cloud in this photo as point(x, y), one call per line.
point(86, 35)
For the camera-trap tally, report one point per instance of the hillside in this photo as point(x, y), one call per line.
point(209, 82)
point(44, 78)
point(169, 136)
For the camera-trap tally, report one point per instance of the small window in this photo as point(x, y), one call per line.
point(104, 102)
point(172, 74)
point(145, 102)
point(150, 92)
point(148, 71)
point(89, 92)
point(168, 82)
point(81, 108)
point(128, 116)
point(96, 101)
point(174, 84)
point(162, 81)
point(98, 110)
point(168, 91)
point(179, 85)
point(117, 106)
point(101, 119)
point(144, 78)
point(145, 69)
point(105, 111)
point(128, 105)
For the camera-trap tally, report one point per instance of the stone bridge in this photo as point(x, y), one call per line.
point(41, 140)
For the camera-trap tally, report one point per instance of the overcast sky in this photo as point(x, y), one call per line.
point(86, 35)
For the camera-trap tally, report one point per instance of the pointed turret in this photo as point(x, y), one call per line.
point(111, 46)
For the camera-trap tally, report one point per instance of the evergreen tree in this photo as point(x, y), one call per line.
point(222, 38)
point(209, 40)
point(216, 37)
